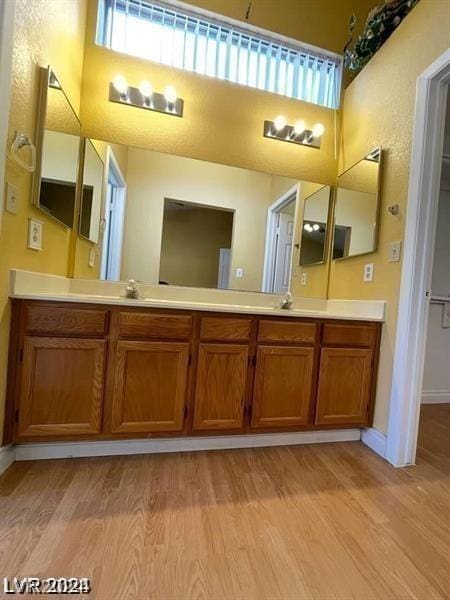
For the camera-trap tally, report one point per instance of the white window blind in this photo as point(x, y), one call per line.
point(161, 33)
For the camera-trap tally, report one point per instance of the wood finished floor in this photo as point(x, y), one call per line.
point(320, 522)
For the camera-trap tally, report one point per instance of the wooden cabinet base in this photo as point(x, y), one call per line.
point(126, 372)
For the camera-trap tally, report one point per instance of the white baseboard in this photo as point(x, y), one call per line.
point(435, 397)
point(375, 440)
point(46, 450)
point(7, 457)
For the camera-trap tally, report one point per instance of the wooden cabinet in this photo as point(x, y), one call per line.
point(61, 391)
point(86, 371)
point(283, 386)
point(345, 376)
point(150, 384)
point(221, 385)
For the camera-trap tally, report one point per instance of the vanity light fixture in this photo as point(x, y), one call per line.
point(296, 134)
point(146, 89)
point(143, 96)
point(121, 86)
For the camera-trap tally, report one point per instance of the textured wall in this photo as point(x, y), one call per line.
point(379, 110)
point(222, 121)
point(46, 32)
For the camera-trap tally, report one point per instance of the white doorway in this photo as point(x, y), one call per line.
point(114, 217)
point(281, 221)
point(420, 235)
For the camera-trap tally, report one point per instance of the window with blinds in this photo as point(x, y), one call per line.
point(170, 36)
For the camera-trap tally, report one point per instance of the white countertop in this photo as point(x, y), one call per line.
point(32, 286)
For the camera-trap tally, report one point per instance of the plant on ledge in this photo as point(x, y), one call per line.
point(380, 23)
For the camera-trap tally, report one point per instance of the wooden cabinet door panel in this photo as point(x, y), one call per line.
point(344, 386)
point(62, 387)
point(150, 384)
point(283, 386)
point(221, 386)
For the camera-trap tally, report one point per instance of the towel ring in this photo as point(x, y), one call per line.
point(21, 141)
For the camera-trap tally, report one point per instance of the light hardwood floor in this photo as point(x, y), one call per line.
point(323, 521)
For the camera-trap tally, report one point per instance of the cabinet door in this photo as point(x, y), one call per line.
point(150, 383)
point(283, 386)
point(221, 386)
point(62, 387)
point(344, 386)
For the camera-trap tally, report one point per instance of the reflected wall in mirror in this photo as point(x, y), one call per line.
point(186, 222)
point(356, 208)
point(58, 144)
point(92, 194)
point(315, 227)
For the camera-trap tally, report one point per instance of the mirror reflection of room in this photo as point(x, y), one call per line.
point(180, 221)
point(60, 145)
point(315, 227)
point(356, 210)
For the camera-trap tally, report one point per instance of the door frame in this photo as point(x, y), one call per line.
point(270, 246)
point(420, 233)
point(7, 15)
point(112, 166)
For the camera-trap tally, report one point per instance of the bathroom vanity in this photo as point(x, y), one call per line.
point(93, 370)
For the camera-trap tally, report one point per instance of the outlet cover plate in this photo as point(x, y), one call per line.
point(12, 198)
point(368, 272)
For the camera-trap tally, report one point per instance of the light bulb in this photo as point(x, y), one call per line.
point(170, 94)
point(299, 127)
point(307, 227)
point(316, 227)
point(146, 88)
point(121, 85)
point(318, 130)
point(279, 123)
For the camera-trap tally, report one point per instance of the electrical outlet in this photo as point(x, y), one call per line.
point(303, 279)
point(239, 272)
point(395, 250)
point(368, 272)
point(91, 261)
point(12, 198)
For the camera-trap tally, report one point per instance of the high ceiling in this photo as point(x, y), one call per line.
point(322, 23)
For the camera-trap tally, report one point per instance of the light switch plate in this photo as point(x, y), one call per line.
point(91, 261)
point(35, 234)
point(303, 279)
point(395, 251)
point(239, 272)
point(368, 272)
point(12, 198)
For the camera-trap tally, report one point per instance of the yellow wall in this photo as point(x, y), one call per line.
point(379, 110)
point(46, 32)
point(222, 122)
point(322, 23)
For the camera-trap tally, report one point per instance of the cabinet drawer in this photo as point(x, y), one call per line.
point(65, 320)
point(148, 325)
point(349, 335)
point(287, 331)
point(222, 328)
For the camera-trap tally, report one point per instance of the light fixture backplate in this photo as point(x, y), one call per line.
point(157, 102)
point(287, 135)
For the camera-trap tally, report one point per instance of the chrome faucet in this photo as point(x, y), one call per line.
point(286, 301)
point(131, 290)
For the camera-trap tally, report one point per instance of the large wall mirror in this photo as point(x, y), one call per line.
point(58, 137)
point(356, 208)
point(172, 220)
point(314, 229)
point(92, 193)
